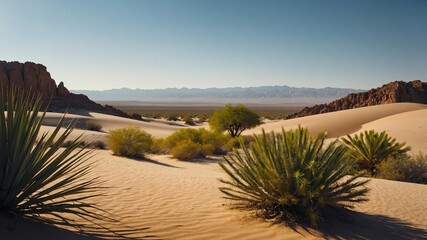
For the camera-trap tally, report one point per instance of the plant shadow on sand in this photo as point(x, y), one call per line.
point(18, 227)
point(358, 226)
point(148, 160)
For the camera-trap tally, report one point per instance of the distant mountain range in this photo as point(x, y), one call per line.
point(126, 94)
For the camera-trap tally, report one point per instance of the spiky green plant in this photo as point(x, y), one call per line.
point(36, 176)
point(370, 148)
point(292, 176)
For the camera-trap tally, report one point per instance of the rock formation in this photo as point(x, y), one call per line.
point(35, 77)
point(394, 92)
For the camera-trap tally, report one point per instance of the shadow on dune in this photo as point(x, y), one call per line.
point(19, 227)
point(148, 160)
point(357, 226)
point(206, 160)
point(157, 162)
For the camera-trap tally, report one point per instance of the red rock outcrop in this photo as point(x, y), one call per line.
point(35, 77)
point(394, 92)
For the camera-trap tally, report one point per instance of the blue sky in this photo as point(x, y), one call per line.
point(104, 44)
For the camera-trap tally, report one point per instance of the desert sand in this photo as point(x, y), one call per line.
point(181, 200)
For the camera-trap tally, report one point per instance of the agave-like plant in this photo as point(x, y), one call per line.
point(37, 178)
point(370, 148)
point(292, 176)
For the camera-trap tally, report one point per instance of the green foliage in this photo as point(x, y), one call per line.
point(370, 148)
point(172, 117)
point(292, 176)
point(404, 168)
point(93, 126)
point(37, 177)
point(210, 142)
point(189, 120)
point(187, 150)
point(235, 143)
point(159, 146)
point(130, 142)
point(234, 119)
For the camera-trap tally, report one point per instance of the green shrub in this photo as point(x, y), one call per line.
point(98, 145)
point(37, 178)
point(189, 120)
point(136, 116)
point(290, 176)
point(234, 143)
point(93, 126)
point(404, 168)
point(187, 150)
point(215, 140)
point(173, 117)
point(370, 148)
point(130, 142)
point(159, 146)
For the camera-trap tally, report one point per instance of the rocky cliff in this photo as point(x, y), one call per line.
point(35, 77)
point(394, 92)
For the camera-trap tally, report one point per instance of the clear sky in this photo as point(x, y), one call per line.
point(104, 44)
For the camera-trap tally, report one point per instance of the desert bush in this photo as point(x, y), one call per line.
point(234, 119)
point(187, 150)
point(172, 117)
point(38, 178)
point(200, 136)
point(93, 126)
point(136, 116)
point(292, 176)
point(404, 168)
point(189, 120)
point(159, 146)
point(370, 148)
point(97, 145)
point(235, 143)
point(130, 142)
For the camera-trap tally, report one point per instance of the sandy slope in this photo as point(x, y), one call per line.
point(181, 200)
point(341, 122)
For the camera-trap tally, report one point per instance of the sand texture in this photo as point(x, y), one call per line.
point(181, 200)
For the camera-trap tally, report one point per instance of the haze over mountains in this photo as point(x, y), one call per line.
point(264, 92)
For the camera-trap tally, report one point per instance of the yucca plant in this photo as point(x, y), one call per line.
point(370, 148)
point(37, 178)
point(292, 176)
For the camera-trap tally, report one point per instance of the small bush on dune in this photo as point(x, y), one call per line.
point(159, 146)
point(210, 142)
point(93, 126)
point(130, 142)
point(404, 168)
point(189, 120)
point(187, 150)
point(98, 145)
point(173, 117)
point(291, 176)
point(236, 143)
point(183, 134)
point(370, 148)
point(37, 178)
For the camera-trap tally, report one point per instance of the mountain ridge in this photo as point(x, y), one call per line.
point(398, 91)
point(275, 91)
point(34, 77)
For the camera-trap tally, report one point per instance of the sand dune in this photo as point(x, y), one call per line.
point(181, 200)
point(342, 122)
